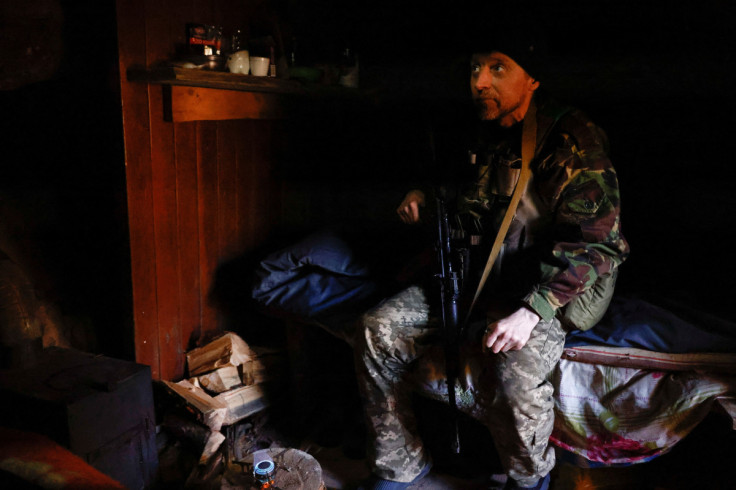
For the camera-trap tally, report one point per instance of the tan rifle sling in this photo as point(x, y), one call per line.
point(528, 149)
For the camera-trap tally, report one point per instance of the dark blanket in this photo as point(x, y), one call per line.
point(634, 322)
point(321, 278)
point(314, 278)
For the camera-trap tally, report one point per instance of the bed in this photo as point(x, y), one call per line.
point(626, 391)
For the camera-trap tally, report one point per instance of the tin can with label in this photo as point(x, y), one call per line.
point(203, 39)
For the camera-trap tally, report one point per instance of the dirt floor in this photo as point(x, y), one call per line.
point(702, 460)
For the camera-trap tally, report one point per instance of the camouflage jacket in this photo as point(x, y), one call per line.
point(567, 227)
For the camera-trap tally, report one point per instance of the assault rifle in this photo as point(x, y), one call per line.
point(451, 264)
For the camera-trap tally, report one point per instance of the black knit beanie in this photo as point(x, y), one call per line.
point(513, 32)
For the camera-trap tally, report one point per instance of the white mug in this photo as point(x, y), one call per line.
point(259, 66)
point(239, 62)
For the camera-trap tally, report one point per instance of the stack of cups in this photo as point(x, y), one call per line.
point(239, 59)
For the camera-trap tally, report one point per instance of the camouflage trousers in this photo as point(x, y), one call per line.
point(399, 351)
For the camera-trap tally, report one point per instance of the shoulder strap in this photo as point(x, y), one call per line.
point(528, 147)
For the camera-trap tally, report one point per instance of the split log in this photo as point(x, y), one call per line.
point(267, 365)
point(253, 372)
point(242, 402)
point(208, 410)
point(199, 436)
point(214, 441)
point(206, 475)
point(227, 350)
point(187, 430)
point(220, 380)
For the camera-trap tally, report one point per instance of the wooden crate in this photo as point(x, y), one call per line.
point(98, 407)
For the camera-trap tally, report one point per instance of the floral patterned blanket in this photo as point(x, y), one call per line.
point(619, 400)
point(617, 415)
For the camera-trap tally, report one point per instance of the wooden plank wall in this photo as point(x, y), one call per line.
point(198, 192)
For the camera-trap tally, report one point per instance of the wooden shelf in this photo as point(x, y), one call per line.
point(204, 95)
point(214, 79)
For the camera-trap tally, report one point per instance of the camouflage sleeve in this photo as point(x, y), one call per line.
point(580, 185)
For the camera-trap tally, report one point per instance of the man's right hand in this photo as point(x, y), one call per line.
point(408, 210)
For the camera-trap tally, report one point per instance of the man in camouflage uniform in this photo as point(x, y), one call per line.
point(565, 237)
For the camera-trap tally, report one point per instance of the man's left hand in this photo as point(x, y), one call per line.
point(512, 332)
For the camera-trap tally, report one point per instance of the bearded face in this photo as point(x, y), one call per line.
point(500, 88)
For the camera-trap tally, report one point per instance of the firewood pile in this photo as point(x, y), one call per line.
point(211, 419)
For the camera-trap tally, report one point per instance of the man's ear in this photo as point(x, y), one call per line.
point(533, 84)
